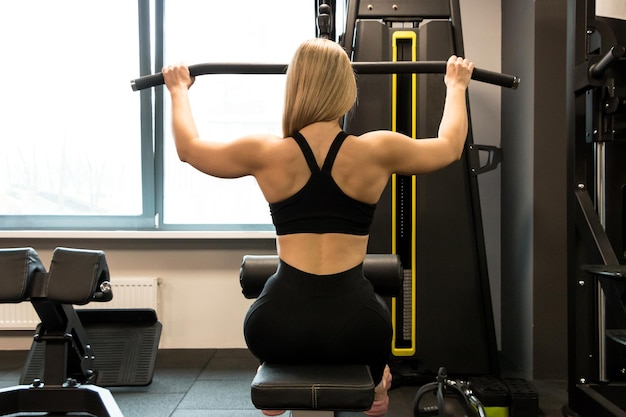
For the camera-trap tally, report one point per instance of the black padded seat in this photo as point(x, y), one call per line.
point(313, 387)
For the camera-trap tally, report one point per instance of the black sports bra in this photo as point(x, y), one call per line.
point(321, 206)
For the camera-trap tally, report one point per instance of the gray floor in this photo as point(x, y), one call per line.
point(216, 383)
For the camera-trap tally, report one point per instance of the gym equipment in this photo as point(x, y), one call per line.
point(75, 277)
point(471, 404)
point(478, 397)
point(322, 388)
point(434, 67)
point(325, 29)
point(433, 222)
point(124, 342)
point(383, 271)
point(324, 19)
point(75, 352)
point(597, 218)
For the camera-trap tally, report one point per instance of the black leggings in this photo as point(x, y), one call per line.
point(306, 318)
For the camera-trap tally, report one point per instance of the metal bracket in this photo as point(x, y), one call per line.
point(494, 157)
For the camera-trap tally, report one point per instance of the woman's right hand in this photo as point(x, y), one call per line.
point(458, 72)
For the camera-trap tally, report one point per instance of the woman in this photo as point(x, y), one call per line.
point(322, 186)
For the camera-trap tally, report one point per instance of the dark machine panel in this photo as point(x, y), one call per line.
point(432, 221)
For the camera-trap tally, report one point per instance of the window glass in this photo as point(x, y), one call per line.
point(226, 107)
point(69, 122)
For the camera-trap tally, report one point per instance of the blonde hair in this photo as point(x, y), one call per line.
point(320, 85)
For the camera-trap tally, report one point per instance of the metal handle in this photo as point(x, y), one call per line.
point(598, 69)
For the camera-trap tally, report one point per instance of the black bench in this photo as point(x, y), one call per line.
point(62, 373)
point(320, 389)
point(75, 277)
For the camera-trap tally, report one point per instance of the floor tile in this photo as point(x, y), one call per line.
point(147, 404)
point(184, 358)
point(217, 413)
point(231, 364)
point(218, 395)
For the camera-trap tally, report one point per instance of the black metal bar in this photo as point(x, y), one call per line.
point(55, 399)
point(591, 228)
point(418, 67)
point(598, 69)
point(324, 25)
point(597, 241)
point(347, 41)
point(385, 9)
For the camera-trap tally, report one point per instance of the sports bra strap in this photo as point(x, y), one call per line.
point(307, 152)
point(332, 152)
point(330, 156)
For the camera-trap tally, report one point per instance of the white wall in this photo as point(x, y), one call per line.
point(611, 8)
point(201, 305)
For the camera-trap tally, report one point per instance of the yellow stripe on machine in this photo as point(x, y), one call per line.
point(412, 36)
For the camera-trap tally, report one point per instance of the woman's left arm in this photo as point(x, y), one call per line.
point(225, 160)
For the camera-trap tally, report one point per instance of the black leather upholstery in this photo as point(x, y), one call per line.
point(383, 271)
point(75, 276)
point(313, 387)
point(18, 266)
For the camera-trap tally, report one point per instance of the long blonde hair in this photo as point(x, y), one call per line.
point(320, 85)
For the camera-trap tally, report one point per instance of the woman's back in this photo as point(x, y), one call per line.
point(325, 245)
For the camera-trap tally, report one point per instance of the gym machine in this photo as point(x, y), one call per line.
point(74, 352)
point(597, 219)
point(433, 222)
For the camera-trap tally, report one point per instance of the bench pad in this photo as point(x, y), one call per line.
point(17, 268)
point(313, 387)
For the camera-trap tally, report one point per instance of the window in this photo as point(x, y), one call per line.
point(80, 150)
point(70, 141)
point(228, 106)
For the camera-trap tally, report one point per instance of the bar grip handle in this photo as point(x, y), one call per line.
point(404, 67)
point(600, 68)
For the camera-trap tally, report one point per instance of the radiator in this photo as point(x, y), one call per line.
point(127, 293)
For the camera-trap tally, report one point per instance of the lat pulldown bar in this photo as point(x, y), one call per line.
point(412, 67)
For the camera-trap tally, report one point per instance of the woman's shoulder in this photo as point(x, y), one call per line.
point(372, 141)
point(380, 141)
point(376, 135)
point(261, 142)
point(267, 138)
point(273, 146)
